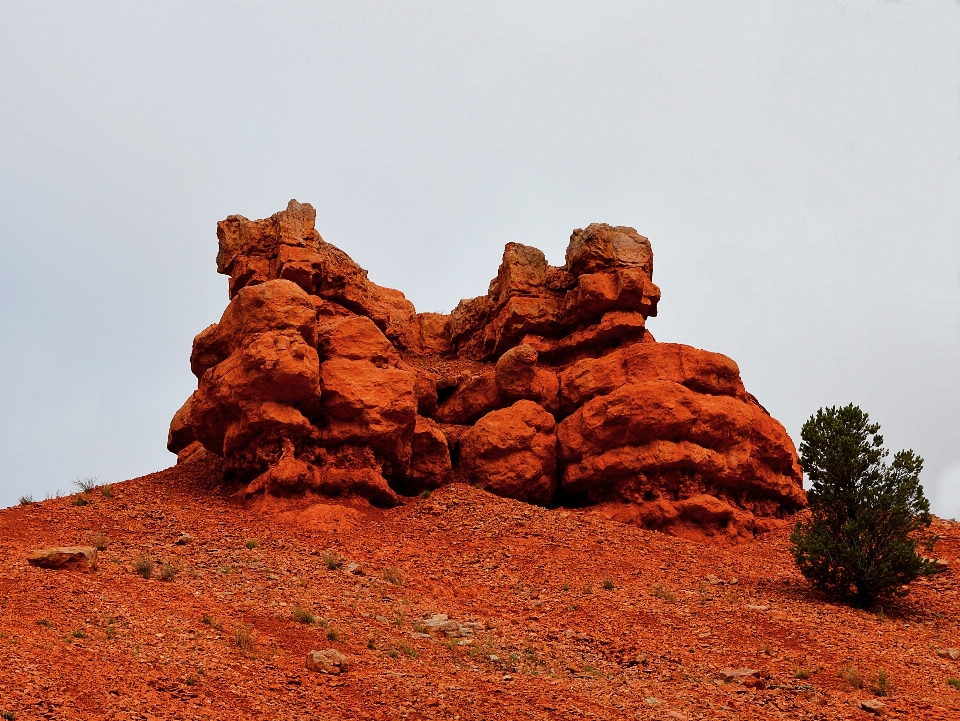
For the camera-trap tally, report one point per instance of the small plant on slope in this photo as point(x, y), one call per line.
point(853, 677)
point(302, 615)
point(859, 543)
point(26, 500)
point(86, 484)
point(392, 575)
point(661, 591)
point(881, 684)
point(241, 636)
point(144, 567)
point(100, 541)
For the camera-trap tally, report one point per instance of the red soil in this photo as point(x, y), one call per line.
point(563, 644)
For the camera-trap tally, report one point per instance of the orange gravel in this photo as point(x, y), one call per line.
point(581, 617)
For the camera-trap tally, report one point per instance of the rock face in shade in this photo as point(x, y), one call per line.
point(548, 389)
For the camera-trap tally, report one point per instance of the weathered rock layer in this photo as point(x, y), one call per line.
point(548, 389)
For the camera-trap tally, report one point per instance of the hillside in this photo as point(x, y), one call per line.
point(550, 639)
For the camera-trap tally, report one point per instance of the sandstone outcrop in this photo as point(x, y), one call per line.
point(548, 389)
point(66, 558)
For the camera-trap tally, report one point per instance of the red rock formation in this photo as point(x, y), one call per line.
point(547, 389)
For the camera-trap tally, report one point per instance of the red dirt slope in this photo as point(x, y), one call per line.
point(553, 638)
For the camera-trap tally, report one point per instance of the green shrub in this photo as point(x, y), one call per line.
point(955, 682)
point(608, 584)
point(26, 500)
point(107, 490)
point(859, 543)
point(252, 543)
point(8, 715)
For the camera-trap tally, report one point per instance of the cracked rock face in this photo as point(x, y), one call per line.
point(548, 389)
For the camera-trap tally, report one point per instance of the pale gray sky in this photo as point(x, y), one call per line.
point(796, 166)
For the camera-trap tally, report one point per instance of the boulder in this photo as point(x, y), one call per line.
point(430, 465)
point(65, 558)
point(512, 453)
point(874, 706)
point(329, 661)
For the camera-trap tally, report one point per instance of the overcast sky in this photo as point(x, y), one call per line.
point(796, 166)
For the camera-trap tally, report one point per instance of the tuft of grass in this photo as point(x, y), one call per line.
point(409, 650)
point(26, 500)
point(371, 644)
point(392, 653)
point(215, 625)
point(107, 490)
point(168, 572)
point(143, 567)
point(87, 484)
point(100, 541)
point(332, 560)
point(44, 622)
point(664, 593)
point(8, 715)
point(802, 672)
point(110, 632)
point(425, 493)
point(332, 634)
point(955, 682)
point(392, 575)
point(241, 636)
point(608, 584)
point(252, 543)
point(80, 501)
point(853, 677)
point(302, 615)
point(881, 684)
point(79, 633)
point(190, 680)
